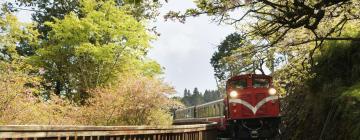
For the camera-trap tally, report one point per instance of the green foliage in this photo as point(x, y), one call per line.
point(211, 95)
point(348, 113)
point(89, 67)
point(338, 66)
point(280, 33)
point(223, 68)
point(274, 21)
point(47, 10)
point(132, 101)
point(197, 98)
point(326, 104)
point(236, 56)
point(84, 52)
point(12, 35)
point(186, 100)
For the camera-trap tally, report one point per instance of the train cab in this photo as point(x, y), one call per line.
point(253, 107)
point(250, 109)
point(251, 96)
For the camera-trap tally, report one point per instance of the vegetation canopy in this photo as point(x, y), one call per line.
point(80, 63)
point(82, 53)
point(282, 24)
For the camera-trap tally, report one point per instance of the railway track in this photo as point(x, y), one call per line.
point(50, 132)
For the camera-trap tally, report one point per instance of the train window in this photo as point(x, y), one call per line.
point(260, 83)
point(191, 113)
point(216, 110)
point(208, 111)
point(239, 84)
point(212, 110)
point(188, 113)
point(221, 111)
point(202, 112)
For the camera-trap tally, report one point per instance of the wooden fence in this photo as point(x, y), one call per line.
point(44, 132)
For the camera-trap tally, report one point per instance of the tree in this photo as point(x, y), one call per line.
point(12, 34)
point(197, 98)
point(95, 55)
point(186, 100)
point(227, 47)
point(207, 96)
point(233, 58)
point(285, 25)
point(132, 100)
point(331, 92)
point(83, 52)
point(211, 95)
point(288, 33)
point(187, 93)
point(47, 11)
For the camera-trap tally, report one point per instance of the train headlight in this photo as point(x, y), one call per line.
point(233, 94)
point(272, 91)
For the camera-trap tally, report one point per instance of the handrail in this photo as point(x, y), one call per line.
point(179, 132)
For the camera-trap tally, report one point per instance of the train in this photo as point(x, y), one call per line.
point(250, 109)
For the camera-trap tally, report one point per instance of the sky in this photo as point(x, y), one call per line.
point(184, 50)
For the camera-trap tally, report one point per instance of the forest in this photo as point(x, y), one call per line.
point(85, 62)
point(197, 98)
point(81, 63)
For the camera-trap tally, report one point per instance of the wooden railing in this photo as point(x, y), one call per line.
point(176, 132)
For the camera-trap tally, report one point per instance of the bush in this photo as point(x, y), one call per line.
point(327, 105)
point(133, 100)
point(338, 66)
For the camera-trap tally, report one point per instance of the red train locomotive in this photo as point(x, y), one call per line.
point(251, 108)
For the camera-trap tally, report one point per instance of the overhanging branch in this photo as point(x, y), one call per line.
point(340, 38)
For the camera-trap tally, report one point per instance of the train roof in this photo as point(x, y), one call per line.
point(212, 102)
point(185, 108)
point(208, 103)
point(248, 75)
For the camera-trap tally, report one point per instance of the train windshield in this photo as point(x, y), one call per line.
point(239, 84)
point(260, 83)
